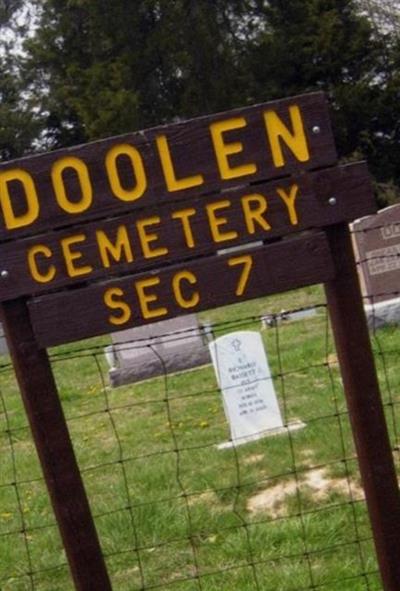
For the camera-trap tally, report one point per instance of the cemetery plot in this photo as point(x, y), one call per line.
point(273, 487)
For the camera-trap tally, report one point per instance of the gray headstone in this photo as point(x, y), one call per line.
point(162, 347)
point(376, 241)
point(377, 246)
point(3, 342)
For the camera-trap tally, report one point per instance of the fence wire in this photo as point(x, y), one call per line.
point(175, 509)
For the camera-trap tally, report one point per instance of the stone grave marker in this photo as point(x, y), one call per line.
point(376, 240)
point(152, 350)
point(248, 393)
point(3, 342)
point(270, 320)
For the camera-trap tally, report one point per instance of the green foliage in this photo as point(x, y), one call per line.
point(322, 45)
point(18, 124)
point(12, 121)
point(108, 68)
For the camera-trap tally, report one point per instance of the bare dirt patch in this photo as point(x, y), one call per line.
point(332, 360)
point(317, 483)
point(321, 485)
point(272, 499)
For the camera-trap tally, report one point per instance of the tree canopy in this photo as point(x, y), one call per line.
point(94, 68)
point(18, 125)
point(107, 67)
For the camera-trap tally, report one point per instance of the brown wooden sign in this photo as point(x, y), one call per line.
point(180, 289)
point(169, 163)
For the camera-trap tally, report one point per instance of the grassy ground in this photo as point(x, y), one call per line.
point(173, 511)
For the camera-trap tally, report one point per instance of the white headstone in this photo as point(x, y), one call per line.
point(243, 374)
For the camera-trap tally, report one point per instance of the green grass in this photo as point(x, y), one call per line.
point(164, 516)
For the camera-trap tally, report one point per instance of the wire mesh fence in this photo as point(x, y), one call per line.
point(176, 510)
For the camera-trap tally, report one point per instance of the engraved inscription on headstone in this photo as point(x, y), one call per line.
point(377, 244)
point(156, 349)
point(376, 240)
point(248, 393)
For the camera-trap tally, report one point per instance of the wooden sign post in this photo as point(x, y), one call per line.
point(126, 231)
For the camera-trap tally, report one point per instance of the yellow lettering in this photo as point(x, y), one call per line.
point(71, 256)
point(146, 238)
point(174, 184)
point(137, 166)
point(111, 302)
point(12, 220)
point(289, 201)
point(184, 215)
point(183, 302)
point(82, 172)
point(295, 140)
point(216, 222)
point(254, 206)
point(223, 149)
point(117, 250)
point(146, 298)
point(37, 275)
point(247, 262)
